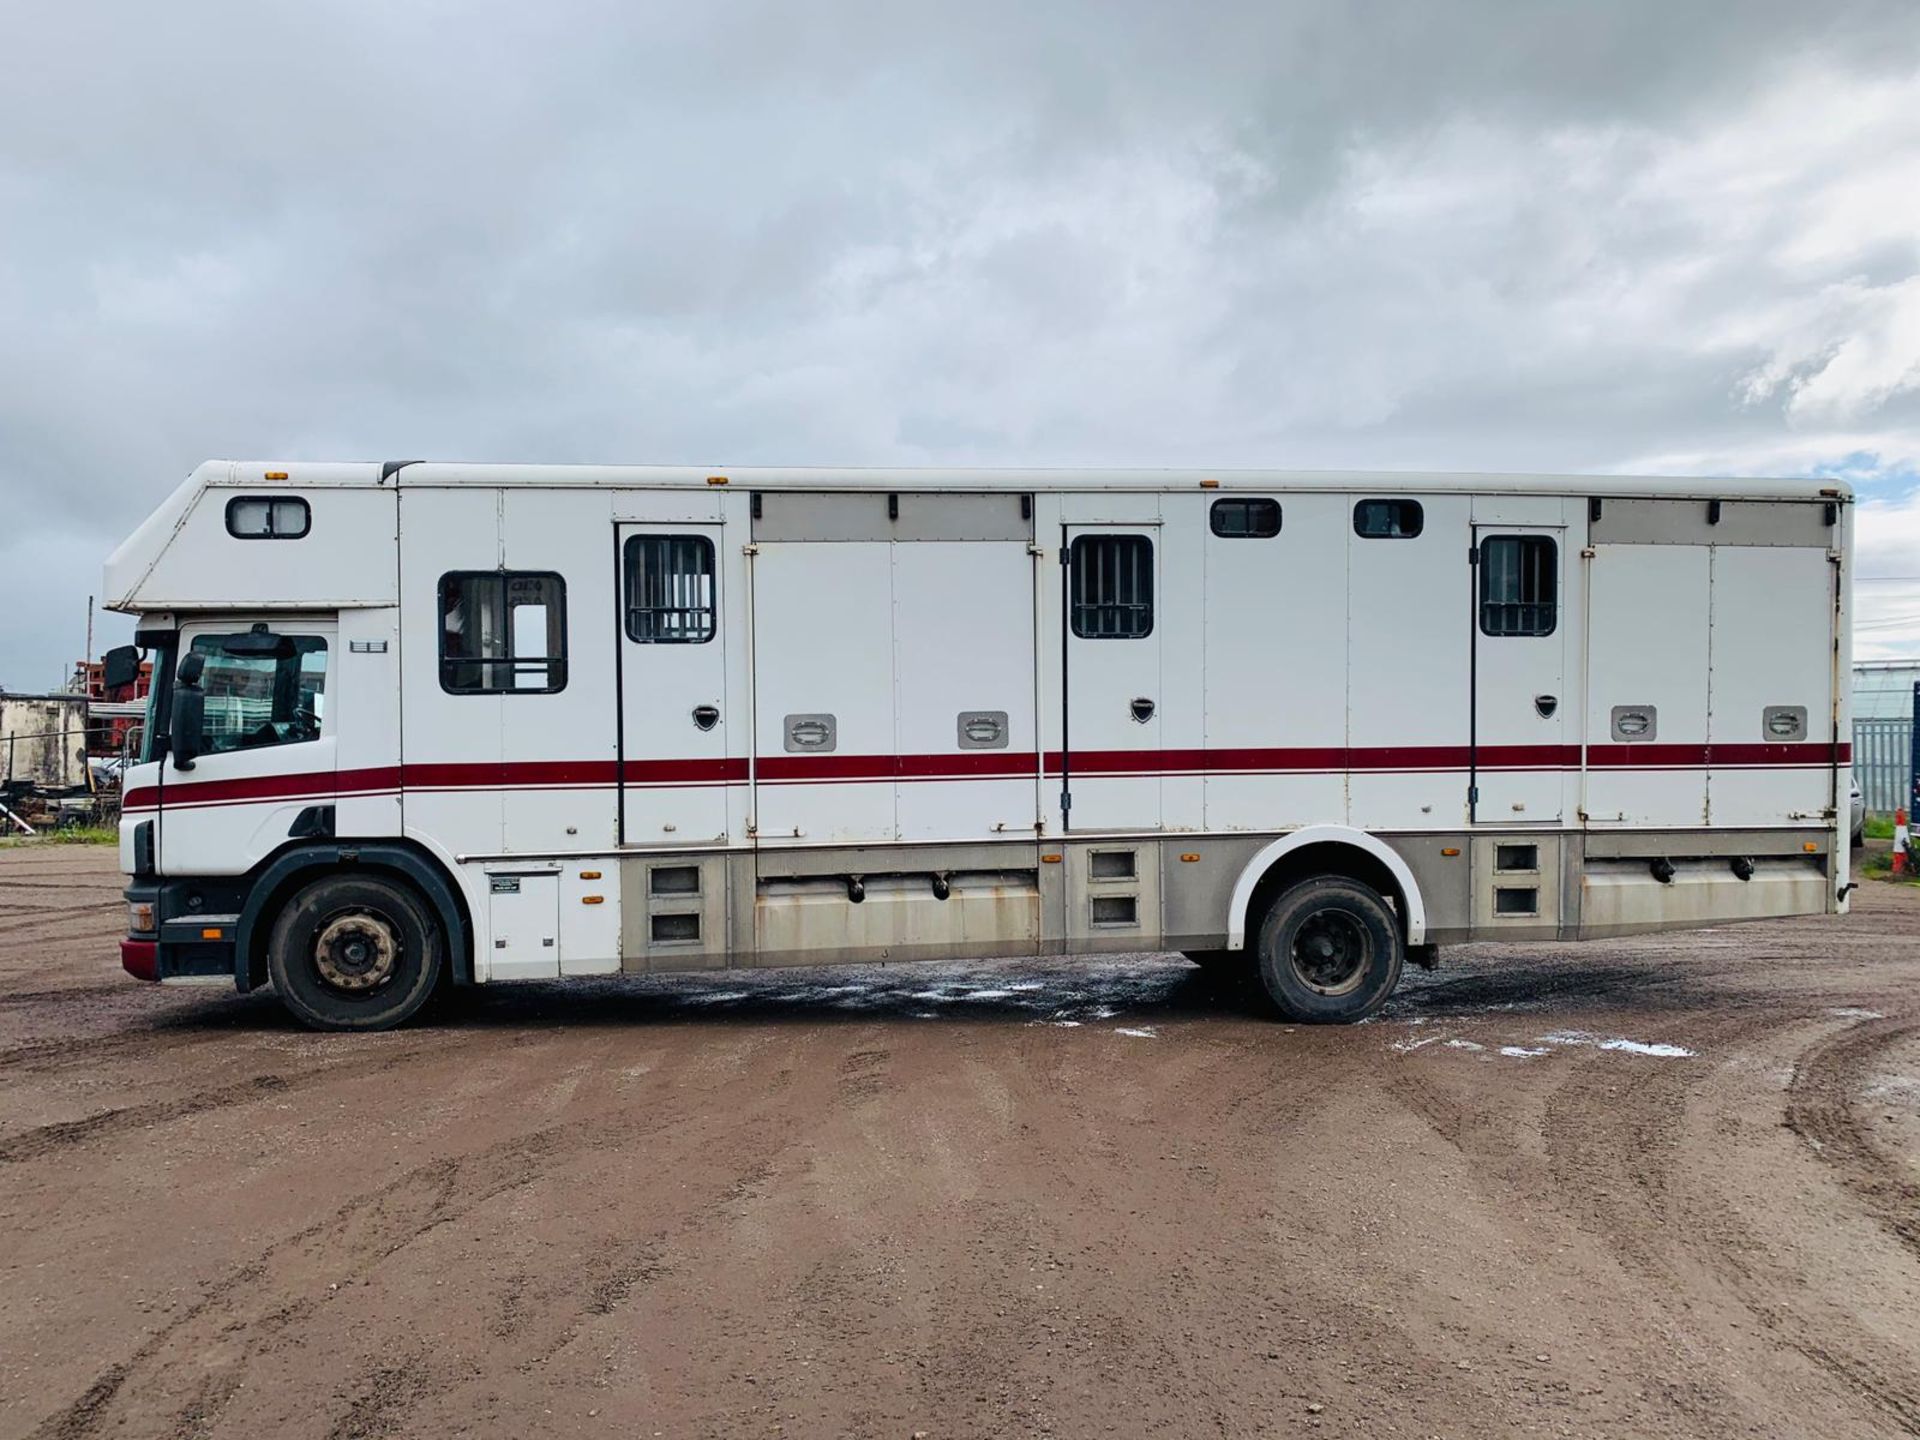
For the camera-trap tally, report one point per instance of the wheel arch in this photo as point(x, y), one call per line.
point(1326, 850)
point(284, 872)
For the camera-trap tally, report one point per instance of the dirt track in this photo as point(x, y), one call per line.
point(993, 1199)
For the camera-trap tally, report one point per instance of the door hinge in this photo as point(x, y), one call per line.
point(1063, 554)
point(1066, 801)
point(1473, 555)
point(1473, 795)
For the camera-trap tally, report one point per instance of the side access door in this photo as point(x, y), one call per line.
point(679, 766)
point(1518, 750)
point(1110, 651)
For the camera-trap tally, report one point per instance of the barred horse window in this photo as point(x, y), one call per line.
point(1112, 587)
point(503, 632)
point(1519, 585)
point(670, 593)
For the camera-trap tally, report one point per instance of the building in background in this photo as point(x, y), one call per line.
point(1883, 730)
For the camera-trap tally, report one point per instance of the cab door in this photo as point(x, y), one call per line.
point(267, 743)
point(1519, 723)
point(676, 724)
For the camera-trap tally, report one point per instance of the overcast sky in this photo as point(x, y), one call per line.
point(1638, 235)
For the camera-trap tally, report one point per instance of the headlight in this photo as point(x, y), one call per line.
point(140, 917)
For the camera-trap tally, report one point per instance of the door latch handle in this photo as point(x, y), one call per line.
point(705, 717)
point(1141, 708)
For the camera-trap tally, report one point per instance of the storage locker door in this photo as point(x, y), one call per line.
point(674, 711)
point(1770, 721)
point(1112, 645)
point(1519, 722)
point(823, 675)
point(963, 689)
point(1647, 664)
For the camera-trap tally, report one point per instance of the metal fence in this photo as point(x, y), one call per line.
point(1882, 751)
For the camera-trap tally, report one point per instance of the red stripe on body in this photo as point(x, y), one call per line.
point(975, 765)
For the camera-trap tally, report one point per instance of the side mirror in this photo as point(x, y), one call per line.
point(189, 713)
point(119, 666)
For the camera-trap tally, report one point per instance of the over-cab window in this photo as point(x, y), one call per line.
point(259, 700)
point(1519, 585)
point(503, 632)
point(1112, 586)
point(1388, 519)
point(268, 517)
point(1234, 518)
point(669, 583)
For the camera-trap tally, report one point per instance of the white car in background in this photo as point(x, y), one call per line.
point(1859, 812)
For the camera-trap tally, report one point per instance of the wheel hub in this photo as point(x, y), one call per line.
point(356, 952)
point(1331, 951)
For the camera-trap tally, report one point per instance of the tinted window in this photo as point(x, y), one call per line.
point(259, 700)
point(1388, 519)
point(1233, 518)
point(1112, 586)
point(669, 589)
point(268, 517)
point(1519, 585)
point(503, 631)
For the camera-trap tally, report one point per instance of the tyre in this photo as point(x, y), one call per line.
point(355, 952)
point(1329, 951)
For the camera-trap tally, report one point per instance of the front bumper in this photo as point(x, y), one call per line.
point(196, 922)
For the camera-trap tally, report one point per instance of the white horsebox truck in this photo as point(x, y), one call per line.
point(419, 724)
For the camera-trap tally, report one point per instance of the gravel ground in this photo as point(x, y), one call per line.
point(1661, 1187)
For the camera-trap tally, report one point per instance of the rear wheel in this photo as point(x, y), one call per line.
point(1329, 951)
point(355, 952)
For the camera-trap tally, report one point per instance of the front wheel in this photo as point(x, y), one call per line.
point(355, 952)
point(1329, 951)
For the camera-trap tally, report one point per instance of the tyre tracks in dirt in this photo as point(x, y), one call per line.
point(874, 1205)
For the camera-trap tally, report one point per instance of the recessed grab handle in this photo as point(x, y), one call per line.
point(705, 717)
point(1141, 708)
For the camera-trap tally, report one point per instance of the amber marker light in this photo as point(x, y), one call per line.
point(211, 934)
point(1188, 858)
point(1209, 484)
point(1049, 859)
point(1450, 850)
point(716, 479)
point(276, 474)
point(589, 874)
point(593, 899)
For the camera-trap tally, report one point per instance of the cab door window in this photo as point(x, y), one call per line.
point(258, 700)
